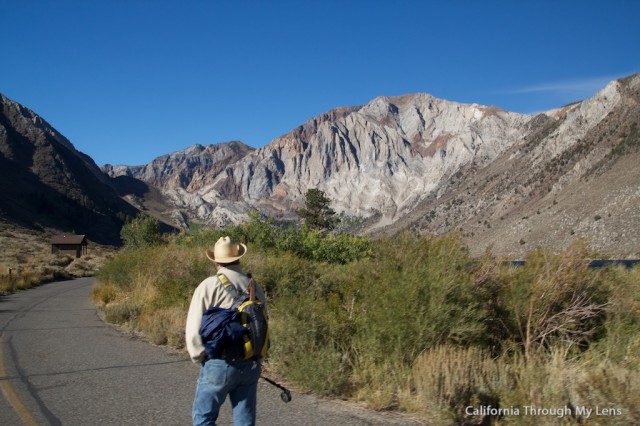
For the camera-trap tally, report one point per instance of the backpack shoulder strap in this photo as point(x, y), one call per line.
point(237, 295)
point(252, 288)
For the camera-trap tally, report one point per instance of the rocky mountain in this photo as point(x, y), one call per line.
point(377, 160)
point(173, 185)
point(572, 174)
point(508, 181)
point(191, 169)
point(505, 181)
point(47, 183)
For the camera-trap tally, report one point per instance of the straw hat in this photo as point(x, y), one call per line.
point(226, 251)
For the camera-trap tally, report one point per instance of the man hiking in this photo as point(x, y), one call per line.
point(221, 373)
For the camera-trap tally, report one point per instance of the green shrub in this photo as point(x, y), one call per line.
point(379, 314)
point(263, 233)
point(302, 346)
point(404, 320)
point(142, 231)
point(417, 293)
point(122, 269)
point(284, 274)
point(341, 248)
point(197, 236)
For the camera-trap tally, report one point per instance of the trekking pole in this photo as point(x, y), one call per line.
point(285, 395)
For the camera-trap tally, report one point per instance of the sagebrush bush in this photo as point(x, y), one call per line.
point(373, 317)
point(301, 348)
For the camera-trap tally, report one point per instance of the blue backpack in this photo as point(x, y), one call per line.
point(239, 333)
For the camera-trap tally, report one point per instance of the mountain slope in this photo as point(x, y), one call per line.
point(167, 185)
point(189, 169)
point(46, 182)
point(573, 176)
point(376, 160)
point(433, 166)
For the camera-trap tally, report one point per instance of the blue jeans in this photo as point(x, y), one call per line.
point(219, 377)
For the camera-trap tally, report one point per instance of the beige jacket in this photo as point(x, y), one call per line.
point(211, 293)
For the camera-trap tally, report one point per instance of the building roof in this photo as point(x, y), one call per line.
point(69, 239)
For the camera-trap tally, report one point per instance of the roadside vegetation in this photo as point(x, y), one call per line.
point(410, 323)
point(26, 260)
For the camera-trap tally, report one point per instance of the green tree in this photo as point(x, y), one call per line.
point(142, 231)
point(317, 214)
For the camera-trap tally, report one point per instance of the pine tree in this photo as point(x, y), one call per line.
point(317, 213)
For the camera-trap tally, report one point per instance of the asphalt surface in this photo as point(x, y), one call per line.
point(61, 365)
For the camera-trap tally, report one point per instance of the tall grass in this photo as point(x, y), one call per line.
point(415, 324)
point(449, 378)
point(31, 276)
point(149, 289)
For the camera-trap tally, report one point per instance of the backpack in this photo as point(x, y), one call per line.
point(239, 333)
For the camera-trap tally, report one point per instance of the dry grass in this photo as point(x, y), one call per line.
point(26, 260)
point(147, 291)
point(449, 379)
point(164, 326)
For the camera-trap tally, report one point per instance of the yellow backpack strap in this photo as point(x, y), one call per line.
point(224, 281)
point(237, 295)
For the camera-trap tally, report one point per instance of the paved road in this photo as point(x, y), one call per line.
point(61, 365)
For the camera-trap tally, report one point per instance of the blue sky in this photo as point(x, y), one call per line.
point(129, 80)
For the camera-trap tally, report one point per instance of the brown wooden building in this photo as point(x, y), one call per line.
point(73, 245)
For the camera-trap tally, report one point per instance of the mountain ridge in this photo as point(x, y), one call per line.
point(396, 159)
point(47, 183)
point(506, 181)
